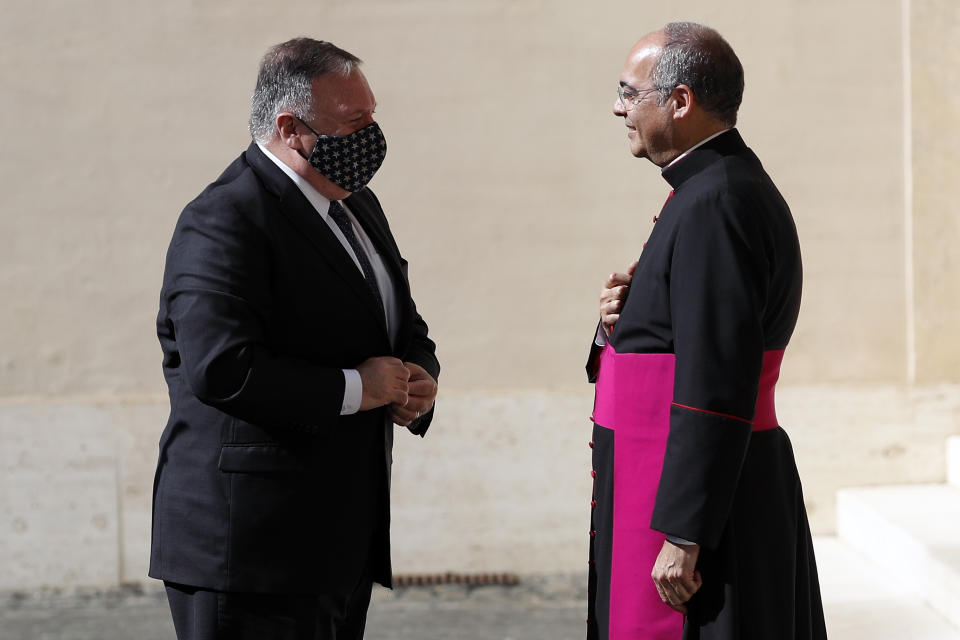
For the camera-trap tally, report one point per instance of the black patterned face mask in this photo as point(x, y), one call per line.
point(349, 161)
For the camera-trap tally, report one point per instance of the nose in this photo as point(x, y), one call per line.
point(618, 109)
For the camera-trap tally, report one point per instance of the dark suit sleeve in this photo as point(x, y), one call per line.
point(422, 351)
point(718, 284)
point(217, 291)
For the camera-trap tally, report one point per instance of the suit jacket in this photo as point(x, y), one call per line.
point(261, 484)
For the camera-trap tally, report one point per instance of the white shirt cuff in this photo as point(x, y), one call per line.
point(352, 392)
point(601, 337)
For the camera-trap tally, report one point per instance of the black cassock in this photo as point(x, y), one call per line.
point(686, 440)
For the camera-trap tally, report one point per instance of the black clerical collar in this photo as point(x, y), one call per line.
point(727, 143)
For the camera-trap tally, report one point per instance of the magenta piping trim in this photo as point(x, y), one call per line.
point(712, 413)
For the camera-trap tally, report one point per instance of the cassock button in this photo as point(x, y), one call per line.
point(655, 218)
point(591, 444)
point(644, 245)
point(593, 474)
point(593, 504)
point(593, 533)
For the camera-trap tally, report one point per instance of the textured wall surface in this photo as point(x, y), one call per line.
point(936, 190)
point(508, 181)
point(500, 483)
point(510, 190)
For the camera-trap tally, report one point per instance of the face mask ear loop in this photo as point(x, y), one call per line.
point(299, 152)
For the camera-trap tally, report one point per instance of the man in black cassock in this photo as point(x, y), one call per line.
point(695, 481)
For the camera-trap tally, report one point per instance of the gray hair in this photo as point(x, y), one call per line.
point(700, 58)
point(284, 82)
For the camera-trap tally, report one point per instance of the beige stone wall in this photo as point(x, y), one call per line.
point(935, 202)
point(508, 181)
point(501, 485)
point(510, 189)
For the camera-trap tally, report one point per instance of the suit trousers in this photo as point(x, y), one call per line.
point(203, 614)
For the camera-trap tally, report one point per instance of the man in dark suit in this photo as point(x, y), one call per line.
point(291, 345)
point(696, 484)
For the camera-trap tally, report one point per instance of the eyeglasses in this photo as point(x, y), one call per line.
point(628, 96)
point(307, 126)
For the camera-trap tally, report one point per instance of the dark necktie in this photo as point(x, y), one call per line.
point(339, 216)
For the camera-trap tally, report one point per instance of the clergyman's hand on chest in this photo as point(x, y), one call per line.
point(612, 295)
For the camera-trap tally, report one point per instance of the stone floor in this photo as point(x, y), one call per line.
point(539, 608)
point(859, 602)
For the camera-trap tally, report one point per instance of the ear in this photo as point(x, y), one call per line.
point(287, 130)
point(683, 101)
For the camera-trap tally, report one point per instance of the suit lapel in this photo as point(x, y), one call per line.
point(296, 208)
point(362, 210)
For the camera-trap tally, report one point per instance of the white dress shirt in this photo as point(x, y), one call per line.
point(353, 386)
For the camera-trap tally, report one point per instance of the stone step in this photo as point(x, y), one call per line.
point(861, 600)
point(912, 534)
point(953, 460)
